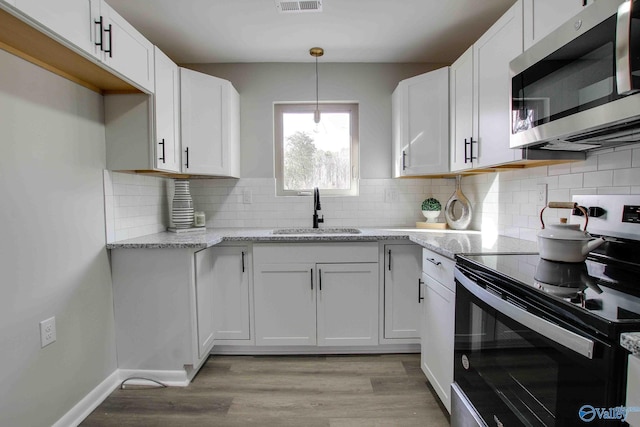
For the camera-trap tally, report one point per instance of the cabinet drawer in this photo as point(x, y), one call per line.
point(438, 267)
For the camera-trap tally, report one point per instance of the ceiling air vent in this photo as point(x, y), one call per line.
point(298, 6)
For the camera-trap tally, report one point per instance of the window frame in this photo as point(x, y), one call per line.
point(281, 108)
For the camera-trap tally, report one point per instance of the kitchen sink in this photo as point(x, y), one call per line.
point(290, 231)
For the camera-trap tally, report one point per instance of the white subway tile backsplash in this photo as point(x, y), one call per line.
point(614, 160)
point(598, 179)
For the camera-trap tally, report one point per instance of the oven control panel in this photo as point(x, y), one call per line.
point(631, 213)
point(610, 215)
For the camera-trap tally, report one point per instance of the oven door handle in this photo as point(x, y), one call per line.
point(555, 333)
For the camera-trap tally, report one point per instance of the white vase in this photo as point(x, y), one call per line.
point(458, 199)
point(182, 205)
point(431, 215)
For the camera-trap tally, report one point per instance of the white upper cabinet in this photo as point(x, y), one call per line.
point(210, 122)
point(491, 55)
point(461, 112)
point(167, 113)
point(122, 47)
point(142, 131)
point(543, 16)
point(95, 29)
point(68, 19)
point(421, 124)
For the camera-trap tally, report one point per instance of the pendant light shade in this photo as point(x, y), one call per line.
point(316, 52)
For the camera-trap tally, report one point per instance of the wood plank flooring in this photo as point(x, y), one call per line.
point(283, 391)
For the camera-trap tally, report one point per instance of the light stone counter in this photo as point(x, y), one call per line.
point(631, 342)
point(447, 243)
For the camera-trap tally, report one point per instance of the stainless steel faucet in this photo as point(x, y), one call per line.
point(316, 208)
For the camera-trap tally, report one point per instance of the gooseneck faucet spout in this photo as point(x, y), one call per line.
point(316, 208)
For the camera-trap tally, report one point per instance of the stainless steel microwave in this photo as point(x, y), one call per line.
point(579, 87)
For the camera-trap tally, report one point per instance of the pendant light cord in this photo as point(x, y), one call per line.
point(316, 83)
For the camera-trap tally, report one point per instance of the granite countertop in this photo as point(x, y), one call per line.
point(631, 342)
point(445, 242)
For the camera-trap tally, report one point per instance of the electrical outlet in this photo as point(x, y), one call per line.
point(47, 332)
point(246, 196)
point(542, 194)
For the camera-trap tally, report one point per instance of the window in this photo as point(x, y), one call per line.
point(323, 155)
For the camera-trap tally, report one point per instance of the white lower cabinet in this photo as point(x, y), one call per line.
point(231, 298)
point(347, 304)
point(401, 273)
point(437, 323)
point(163, 307)
point(325, 294)
point(285, 304)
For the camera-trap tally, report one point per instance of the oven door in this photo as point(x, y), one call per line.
point(517, 368)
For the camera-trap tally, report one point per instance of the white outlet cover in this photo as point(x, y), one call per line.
point(47, 331)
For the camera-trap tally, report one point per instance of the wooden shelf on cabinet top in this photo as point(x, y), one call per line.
point(21, 39)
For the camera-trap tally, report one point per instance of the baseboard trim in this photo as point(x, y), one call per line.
point(90, 402)
point(95, 397)
point(285, 350)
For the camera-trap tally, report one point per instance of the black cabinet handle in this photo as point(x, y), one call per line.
point(187, 152)
point(319, 279)
point(404, 160)
point(584, 2)
point(312, 279)
point(433, 261)
point(163, 157)
point(243, 261)
point(110, 50)
point(420, 297)
point(100, 23)
point(389, 259)
point(470, 158)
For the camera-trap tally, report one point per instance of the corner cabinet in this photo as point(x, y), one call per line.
point(210, 123)
point(164, 311)
point(401, 306)
point(142, 131)
point(420, 115)
point(437, 323)
point(324, 295)
point(97, 30)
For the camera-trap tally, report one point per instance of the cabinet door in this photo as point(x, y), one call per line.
point(204, 300)
point(167, 113)
point(461, 112)
point(437, 336)
point(285, 304)
point(231, 293)
point(424, 123)
point(491, 55)
point(347, 296)
point(543, 16)
point(70, 20)
point(127, 51)
point(210, 122)
point(402, 269)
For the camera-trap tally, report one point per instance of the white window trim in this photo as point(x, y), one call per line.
point(280, 108)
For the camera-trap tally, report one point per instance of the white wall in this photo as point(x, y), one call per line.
point(262, 84)
point(52, 250)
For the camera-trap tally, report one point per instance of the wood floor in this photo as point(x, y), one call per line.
point(283, 391)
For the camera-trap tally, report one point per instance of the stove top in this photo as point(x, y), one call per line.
point(602, 288)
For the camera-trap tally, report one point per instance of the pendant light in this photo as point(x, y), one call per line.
point(316, 52)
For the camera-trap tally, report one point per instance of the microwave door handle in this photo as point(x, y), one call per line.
point(555, 333)
point(623, 57)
